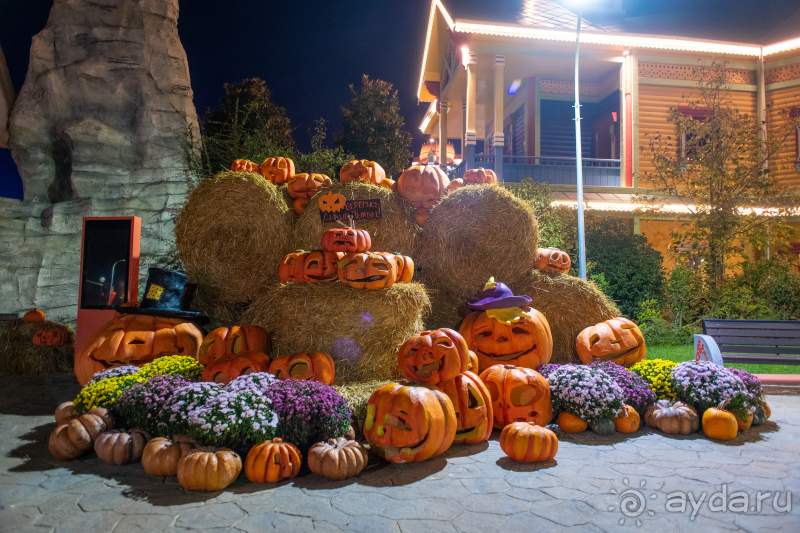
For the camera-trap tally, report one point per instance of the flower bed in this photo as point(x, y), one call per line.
point(703, 384)
point(233, 419)
point(637, 392)
point(656, 372)
point(141, 404)
point(588, 393)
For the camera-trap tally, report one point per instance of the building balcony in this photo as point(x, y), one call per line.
point(552, 170)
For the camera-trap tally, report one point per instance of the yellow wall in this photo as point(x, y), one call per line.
point(781, 100)
point(657, 233)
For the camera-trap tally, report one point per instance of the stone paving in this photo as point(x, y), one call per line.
point(471, 488)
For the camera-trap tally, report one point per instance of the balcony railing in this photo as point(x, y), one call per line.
point(552, 170)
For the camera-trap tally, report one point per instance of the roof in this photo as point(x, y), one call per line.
point(539, 13)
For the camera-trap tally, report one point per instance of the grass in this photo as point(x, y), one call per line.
point(680, 354)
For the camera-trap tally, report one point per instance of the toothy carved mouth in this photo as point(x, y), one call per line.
point(388, 452)
point(470, 433)
point(327, 277)
point(508, 357)
point(425, 370)
point(368, 279)
point(616, 355)
point(343, 243)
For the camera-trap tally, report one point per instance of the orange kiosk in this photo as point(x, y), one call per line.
point(109, 271)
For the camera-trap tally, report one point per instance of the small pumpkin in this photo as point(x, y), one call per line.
point(759, 416)
point(278, 170)
point(307, 185)
point(421, 216)
point(272, 461)
point(518, 395)
point(50, 337)
point(479, 176)
point(408, 423)
point(209, 468)
point(552, 259)
point(117, 447)
point(235, 339)
point(422, 186)
point(65, 412)
point(33, 316)
point(346, 240)
point(386, 183)
point(338, 458)
point(245, 165)
point(317, 266)
point(230, 367)
point(300, 205)
point(313, 366)
point(372, 270)
point(628, 421)
point(473, 406)
point(719, 424)
point(528, 443)
point(675, 419)
point(617, 340)
point(767, 410)
point(289, 264)
point(744, 425)
point(331, 203)
point(455, 184)
point(362, 170)
point(433, 356)
point(77, 436)
point(604, 427)
point(161, 455)
point(571, 423)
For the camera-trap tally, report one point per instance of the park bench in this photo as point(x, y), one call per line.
point(773, 342)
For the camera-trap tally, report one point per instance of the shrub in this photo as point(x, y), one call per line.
point(637, 392)
point(233, 419)
point(586, 392)
point(140, 405)
point(703, 384)
point(173, 417)
point(657, 373)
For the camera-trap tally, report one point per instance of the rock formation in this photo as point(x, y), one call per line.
point(97, 130)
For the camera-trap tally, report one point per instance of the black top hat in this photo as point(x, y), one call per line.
point(162, 296)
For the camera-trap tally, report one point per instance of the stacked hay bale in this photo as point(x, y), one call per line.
point(18, 354)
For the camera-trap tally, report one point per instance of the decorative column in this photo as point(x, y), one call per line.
point(499, 140)
point(471, 62)
point(442, 133)
point(463, 130)
point(761, 105)
point(629, 120)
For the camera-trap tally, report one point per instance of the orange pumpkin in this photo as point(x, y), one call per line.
point(628, 422)
point(209, 468)
point(422, 186)
point(307, 185)
point(277, 169)
point(289, 264)
point(473, 362)
point(362, 170)
point(161, 455)
point(479, 176)
point(369, 270)
point(346, 240)
point(421, 216)
point(331, 203)
point(388, 184)
point(50, 337)
point(231, 366)
point(272, 461)
point(518, 395)
point(65, 412)
point(433, 356)
point(473, 406)
point(526, 341)
point(245, 165)
point(720, 424)
point(571, 423)
point(235, 339)
point(317, 266)
point(745, 424)
point(618, 340)
point(312, 366)
point(338, 458)
point(552, 259)
point(407, 423)
point(455, 184)
point(77, 436)
point(528, 443)
point(136, 340)
point(33, 316)
point(300, 205)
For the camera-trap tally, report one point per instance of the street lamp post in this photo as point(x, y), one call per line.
point(578, 160)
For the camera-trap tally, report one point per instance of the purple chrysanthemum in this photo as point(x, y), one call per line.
point(140, 405)
point(637, 392)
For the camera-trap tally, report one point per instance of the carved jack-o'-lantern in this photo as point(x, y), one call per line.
point(375, 270)
point(331, 203)
point(518, 395)
point(362, 170)
point(479, 176)
point(407, 423)
point(135, 340)
point(433, 356)
point(277, 169)
point(289, 264)
point(473, 406)
point(50, 337)
point(618, 340)
point(422, 186)
point(552, 259)
point(307, 185)
point(245, 165)
point(230, 367)
point(346, 240)
point(524, 340)
point(232, 340)
point(317, 267)
point(312, 366)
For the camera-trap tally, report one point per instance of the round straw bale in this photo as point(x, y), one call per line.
point(219, 312)
point(232, 234)
point(476, 232)
point(395, 232)
point(447, 309)
point(18, 354)
point(569, 304)
point(362, 330)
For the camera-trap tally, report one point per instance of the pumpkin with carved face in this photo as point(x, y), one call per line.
point(362, 170)
point(289, 264)
point(407, 423)
point(50, 337)
point(331, 203)
point(307, 185)
point(473, 406)
point(245, 165)
point(233, 340)
point(518, 395)
point(375, 270)
point(523, 340)
point(433, 356)
point(233, 365)
point(617, 340)
point(422, 186)
point(479, 176)
point(135, 340)
point(317, 266)
point(552, 259)
point(346, 240)
point(278, 170)
point(313, 366)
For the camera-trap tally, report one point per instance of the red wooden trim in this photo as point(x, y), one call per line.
point(628, 122)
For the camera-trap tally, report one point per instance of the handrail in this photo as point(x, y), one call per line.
point(560, 161)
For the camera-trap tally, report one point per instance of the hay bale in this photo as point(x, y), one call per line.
point(219, 312)
point(232, 234)
point(447, 309)
point(569, 304)
point(18, 354)
point(474, 233)
point(361, 329)
point(357, 395)
point(395, 232)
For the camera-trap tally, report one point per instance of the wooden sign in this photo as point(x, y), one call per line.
point(349, 210)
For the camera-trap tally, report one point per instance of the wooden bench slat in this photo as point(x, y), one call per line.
point(756, 341)
point(784, 350)
point(752, 324)
point(748, 333)
point(760, 359)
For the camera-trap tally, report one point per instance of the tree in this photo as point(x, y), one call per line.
point(718, 164)
point(322, 160)
point(373, 126)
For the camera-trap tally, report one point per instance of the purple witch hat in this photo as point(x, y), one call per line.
point(497, 295)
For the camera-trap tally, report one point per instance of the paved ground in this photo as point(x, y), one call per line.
point(470, 488)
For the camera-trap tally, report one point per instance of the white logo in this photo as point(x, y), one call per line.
point(632, 503)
